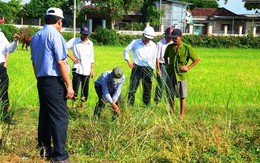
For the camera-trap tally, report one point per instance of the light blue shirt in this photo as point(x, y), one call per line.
point(108, 86)
point(143, 55)
point(47, 48)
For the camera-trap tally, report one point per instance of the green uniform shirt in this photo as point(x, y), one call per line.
point(179, 57)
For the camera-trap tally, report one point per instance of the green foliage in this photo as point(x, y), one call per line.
point(29, 31)
point(9, 11)
point(202, 4)
point(106, 36)
point(222, 41)
point(9, 31)
point(37, 9)
point(150, 13)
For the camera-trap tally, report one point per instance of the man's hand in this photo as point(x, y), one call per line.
point(75, 60)
point(130, 64)
point(159, 73)
point(92, 74)
point(16, 37)
point(184, 68)
point(115, 107)
point(70, 92)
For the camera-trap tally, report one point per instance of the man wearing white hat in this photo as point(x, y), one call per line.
point(144, 62)
point(49, 59)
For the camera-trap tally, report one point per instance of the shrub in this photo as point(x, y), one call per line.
point(9, 31)
point(105, 36)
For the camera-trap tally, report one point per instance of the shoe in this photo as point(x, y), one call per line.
point(46, 152)
point(63, 161)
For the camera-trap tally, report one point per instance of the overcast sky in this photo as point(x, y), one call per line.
point(236, 6)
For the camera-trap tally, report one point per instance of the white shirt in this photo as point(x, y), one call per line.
point(143, 55)
point(5, 47)
point(84, 51)
point(161, 46)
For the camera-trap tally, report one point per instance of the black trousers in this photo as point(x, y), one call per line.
point(84, 81)
point(53, 116)
point(161, 84)
point(138, 73)
point(4, 99)
point(101, 104)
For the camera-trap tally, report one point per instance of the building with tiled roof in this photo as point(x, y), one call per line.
point(209, 21)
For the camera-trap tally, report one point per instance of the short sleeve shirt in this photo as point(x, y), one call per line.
point(47, 48)
point(84, 51)
point(179, 57)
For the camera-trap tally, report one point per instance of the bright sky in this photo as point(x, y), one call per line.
point(236, 6)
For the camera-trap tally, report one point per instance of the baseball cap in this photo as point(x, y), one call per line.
point(176, 33)
point(84, 30)
point(168, 31)
point(117, 74)
point(56, 12)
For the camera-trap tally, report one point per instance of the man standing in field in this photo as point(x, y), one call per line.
point(144, 61)
point(160, 64)
point(179, 55)
point(83, 67)
point(108, 88)
point(5, 49)
point(49, 59)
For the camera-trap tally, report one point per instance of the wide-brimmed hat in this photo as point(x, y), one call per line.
point(117, 74)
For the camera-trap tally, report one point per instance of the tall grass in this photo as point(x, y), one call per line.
point(221, 120)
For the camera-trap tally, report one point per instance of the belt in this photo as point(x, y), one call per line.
point(162, 63)
point(49, 77)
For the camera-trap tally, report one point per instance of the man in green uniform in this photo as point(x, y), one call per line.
point(177, 56)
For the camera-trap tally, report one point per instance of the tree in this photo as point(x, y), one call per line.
point(202, 4)
point(251, 5)
point(113, 9)
point(37, 9)
point(10, 11)
point(150, 13)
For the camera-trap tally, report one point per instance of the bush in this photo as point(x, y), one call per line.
point(105, 36)
point(9, 31)
point(29, 31)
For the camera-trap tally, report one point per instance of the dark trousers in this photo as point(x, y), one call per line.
point(4, 99)
point(101, 103)
point(161, 84)
point(53, 116)
point(84, 81)
point(138, 73)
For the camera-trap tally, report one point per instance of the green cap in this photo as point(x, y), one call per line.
point(117, 74)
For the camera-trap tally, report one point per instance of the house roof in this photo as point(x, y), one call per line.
point(212, 12)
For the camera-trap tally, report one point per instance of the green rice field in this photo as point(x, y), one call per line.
point(221, 120)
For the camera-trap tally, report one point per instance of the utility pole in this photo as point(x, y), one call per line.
point(74, 18)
